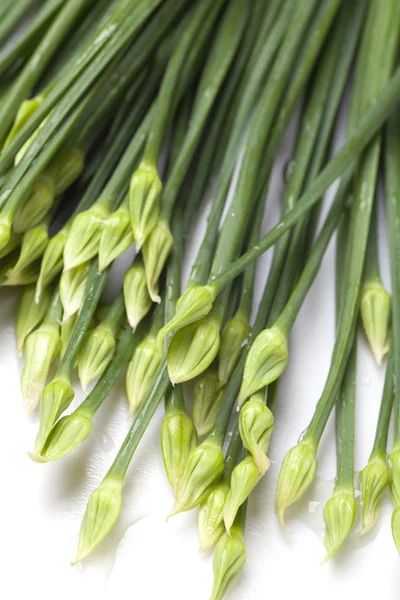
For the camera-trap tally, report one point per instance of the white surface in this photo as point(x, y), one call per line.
point(42, 505)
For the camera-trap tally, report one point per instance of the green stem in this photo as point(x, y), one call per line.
point(25, 82)
point(91, 62)
point(287, 317)
point(28, 39)
point(220, 58)
point(385, 412)
point(371, 270)
point(94, 288)
point(167, 95)
point(341, 163)
point(345, 424)
point(13, 16)
point(392, 186)
point(115, 314)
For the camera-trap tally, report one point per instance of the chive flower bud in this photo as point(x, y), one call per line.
point(41, 348)
point(205, 465)
point(192, 350)
point(96, 353)
point(375, 478)
point(266, 361)
point(56, 397)
point(375, 308)
point(178, 439)
point(229, 560)
point(395, 475)
point(298, 471)
point(25, 111)
point(137, 299)
point(13, 243)
point(144, 202)
point(192, 306)
point(5, 231)
point(340, 514)
point(256, 423)
point(30, 314)
point(36, 204)
point(233, 335)
point(395, 523)
point(207, 401)
point(245, 476)
point(116, 237)
point(26, 276)
point(141, 370)
point(66, 169)
point(72, 289)
point(52, 261)
point(211, 523)
point(156, 250)
point(34, 244)
point(67, 434)
point(84, 236)
point(101, 514)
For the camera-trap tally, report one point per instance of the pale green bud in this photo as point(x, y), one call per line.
point(25, 111)
point(245, 476)
point(396, 527)
point(41, 348)
point(72, 289)
point(340, 514)
point(67, 434)
point(52, 261)
point(375, 308)
point(395, 475)
point(144, 202)
point(192, 350)
point(211, 523)
point(101, 514)
point(266, 361)
point(67, 328)
point(95, 355)
point(141, 370)
point(298, 471)
point(207, 401)
point(229, 560)
point(66, 169)
point(178, 439)
point(5, 231)
point(84, 236)
point(56, 397)
point(233, 335)
point(205, 465)
point(116, 237)
point(26, 276)
point(137, 299)
point(192, 306)
point(12, 244)
point(36, 204)
point(30, 314)
point(34, 243)
point(256, 423)
point(375, 478)
point(156, 250)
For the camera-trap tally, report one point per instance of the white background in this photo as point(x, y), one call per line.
point(41, 506)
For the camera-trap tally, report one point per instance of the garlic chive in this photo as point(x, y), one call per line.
point(30, 314)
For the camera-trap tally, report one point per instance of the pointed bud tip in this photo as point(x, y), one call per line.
point(375, 308)
point(298, 471)
point(340, 513)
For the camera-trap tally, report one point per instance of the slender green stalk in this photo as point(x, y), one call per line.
point(14, 14)
point(59, 29)
point(28, 39)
